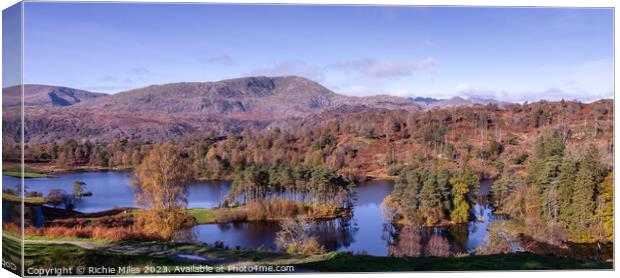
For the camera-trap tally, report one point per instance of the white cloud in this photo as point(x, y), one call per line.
point(551, 94)
point(384, 69)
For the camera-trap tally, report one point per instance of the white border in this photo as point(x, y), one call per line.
point(496, 3)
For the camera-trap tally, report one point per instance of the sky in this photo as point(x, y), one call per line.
point(510, 54)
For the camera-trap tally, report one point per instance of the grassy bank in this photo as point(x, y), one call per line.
point(520, 261)
point(203, 215)
point(28, 172)
point(58, 253)
point(275, 210)
point(28, 200)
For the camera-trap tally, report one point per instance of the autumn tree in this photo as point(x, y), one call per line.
point(160, 182)
point(79, 188)
point(605, 209)
point(460, 210)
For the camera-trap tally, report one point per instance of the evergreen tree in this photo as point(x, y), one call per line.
point(443, 184)
point(605, 208)
point(583, 203)
point(566, 186)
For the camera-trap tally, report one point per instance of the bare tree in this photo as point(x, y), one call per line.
point(294, 237)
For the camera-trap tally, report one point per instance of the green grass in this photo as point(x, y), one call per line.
point(28, 173)
point(159, 254)
point(203, 215)
point(11, 250)
point(259, 256)
point(339, 261)
point(67, 255)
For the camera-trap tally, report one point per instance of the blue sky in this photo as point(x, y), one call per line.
point(511, 54)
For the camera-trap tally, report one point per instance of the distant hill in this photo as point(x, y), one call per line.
point(425, 100)
point(46, 95)
point(456, 101)
point(165, 112)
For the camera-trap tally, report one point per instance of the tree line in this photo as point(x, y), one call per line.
point(559, 196)
point(426, 196)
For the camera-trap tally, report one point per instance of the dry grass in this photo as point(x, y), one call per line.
point(279, 209)
point(91, 232)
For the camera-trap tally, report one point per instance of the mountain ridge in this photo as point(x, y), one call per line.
point(167, 111)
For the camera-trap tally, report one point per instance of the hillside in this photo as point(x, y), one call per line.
point(164, 112)
point(46, 96)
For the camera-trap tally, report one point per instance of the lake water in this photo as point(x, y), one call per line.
point(365, 232)
point(113, 189)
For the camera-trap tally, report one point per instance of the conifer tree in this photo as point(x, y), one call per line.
point(605, 208)
point(566, 186)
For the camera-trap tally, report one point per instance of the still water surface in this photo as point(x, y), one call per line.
point(365, 232)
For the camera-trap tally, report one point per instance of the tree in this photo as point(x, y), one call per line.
point(583, 199)
point(430, 199)
point(55, 196)
point(566, 187)
point(161, 183)
point(294, 237)
point(605, 209)
point(460, 210)
point(443, 185)
point(79, 188)
point(503, 189)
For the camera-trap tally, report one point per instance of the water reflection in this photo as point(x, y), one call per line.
point(410, 240)
point(361, 233)
point(365, 232)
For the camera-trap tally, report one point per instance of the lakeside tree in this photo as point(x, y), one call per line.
point(294, 237)
point(160, 182)
point(55, 196)
point(460, 210)
point(79, 188)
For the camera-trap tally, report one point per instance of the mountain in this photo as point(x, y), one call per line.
point(457, 101)
point(45, 95)
point(249, 98)
point(425, 100)
point(166, 112)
